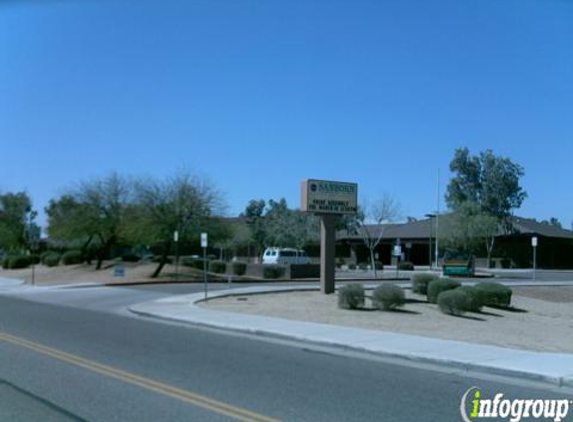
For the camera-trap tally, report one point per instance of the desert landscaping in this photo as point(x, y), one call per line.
point(540, 319)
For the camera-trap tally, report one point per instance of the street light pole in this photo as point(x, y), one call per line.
point(438, 220)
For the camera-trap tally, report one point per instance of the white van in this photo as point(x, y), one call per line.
point(285, 256)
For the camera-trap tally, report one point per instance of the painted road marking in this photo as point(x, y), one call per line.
point(204, 402)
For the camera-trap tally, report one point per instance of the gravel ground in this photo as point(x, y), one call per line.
point(542, 323)
point(550, 294)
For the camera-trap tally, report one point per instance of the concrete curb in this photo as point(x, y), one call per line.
point(552, 368)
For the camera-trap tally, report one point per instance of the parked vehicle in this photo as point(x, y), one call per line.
point(285, 256)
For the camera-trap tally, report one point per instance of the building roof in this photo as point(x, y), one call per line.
point(422, 229)
point(531, 226)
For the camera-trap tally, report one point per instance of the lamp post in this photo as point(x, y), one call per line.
point(430, 216)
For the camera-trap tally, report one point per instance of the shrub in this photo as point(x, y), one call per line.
point(34, 259)
point(351, 296)
point(339, 262)
point(454, 302)
point(351, 266)
point(43, 255)
point(239, 268)
point(219, 267)
point(420, 282)
point(495, 294)
point(387, 297)
point(5, 262)
point(19, 261)
point(378, 265)
point(272, 272)
point(405, 266)
point(476, 298)
point(196, 263)
point(52, 260)
point(130, 257)
point(363, 266)
point(438, 286)
point(72, 258)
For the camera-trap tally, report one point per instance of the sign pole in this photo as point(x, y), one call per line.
point(204, 243)
point(327, 252)
point(176, 240)
point(534, 244)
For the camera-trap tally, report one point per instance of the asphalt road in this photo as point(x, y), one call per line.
point(75, 355)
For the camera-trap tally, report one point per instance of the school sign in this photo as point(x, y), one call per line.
point(328, 197)
point(329, 200)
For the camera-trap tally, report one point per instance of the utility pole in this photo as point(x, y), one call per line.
point(438, 220)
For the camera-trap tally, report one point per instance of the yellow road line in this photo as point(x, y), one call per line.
point(146, 383)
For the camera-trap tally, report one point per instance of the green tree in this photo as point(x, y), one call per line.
point(239, 236)
point(489, 181)
point(94, 210)
point(484, 188)
point(254, 217)
point(72, 221)
point(285, 227)
point(471, 230)
point(17, 222)
point(181, 203)
point(553, 221)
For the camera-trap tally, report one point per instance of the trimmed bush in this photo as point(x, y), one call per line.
point(43, 255)
point(72, 258)
point(438, 286)
point(351, 266)
point(17, 262)
point(52, 260)
point(387, 297)
point(405, 266)
point(363, 266)
point(272, 272)
point(378, 265)
point(454, 302)
point(420, 282)
point(219, 267)
point(495, 294)
point(239, 268)
point(351, 296)
point(476, 296)
point(196, 263)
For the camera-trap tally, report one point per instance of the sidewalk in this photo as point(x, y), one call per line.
point(554, 368)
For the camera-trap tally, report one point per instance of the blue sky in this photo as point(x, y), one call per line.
point(259, 95)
